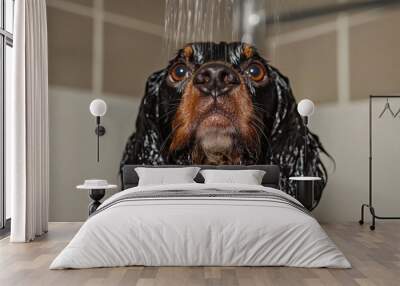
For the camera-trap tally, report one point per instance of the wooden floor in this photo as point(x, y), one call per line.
point(375, 257)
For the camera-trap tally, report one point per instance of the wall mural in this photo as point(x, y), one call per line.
point(222, 103)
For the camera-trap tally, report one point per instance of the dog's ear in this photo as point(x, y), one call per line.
point(288, 142)
point(143, 146)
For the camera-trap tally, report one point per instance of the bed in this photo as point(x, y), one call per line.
point(198, 224)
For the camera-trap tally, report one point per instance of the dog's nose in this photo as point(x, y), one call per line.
point(216, 79)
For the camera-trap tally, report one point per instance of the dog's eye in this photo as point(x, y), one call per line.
point(256, 71)
point(179, 72)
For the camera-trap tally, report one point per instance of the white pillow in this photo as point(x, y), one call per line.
point(164, 176)
point(248, 177)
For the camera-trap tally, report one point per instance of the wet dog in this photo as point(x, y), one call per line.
point(222, 103)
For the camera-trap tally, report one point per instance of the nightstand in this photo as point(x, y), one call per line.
point(305, 188)
point(97, 190)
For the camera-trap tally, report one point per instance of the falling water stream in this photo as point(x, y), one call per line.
point(200, 21)
point(189, 21)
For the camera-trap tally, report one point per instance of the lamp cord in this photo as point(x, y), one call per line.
point(305, 122)
point(98, 138)
point(98, 144)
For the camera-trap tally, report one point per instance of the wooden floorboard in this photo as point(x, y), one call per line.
point(375, 257)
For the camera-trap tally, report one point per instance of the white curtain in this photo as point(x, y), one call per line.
point(27, 140)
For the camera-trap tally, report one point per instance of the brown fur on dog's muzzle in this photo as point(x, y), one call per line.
point(214, 116)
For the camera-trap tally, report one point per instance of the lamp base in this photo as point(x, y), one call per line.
point(100, 130)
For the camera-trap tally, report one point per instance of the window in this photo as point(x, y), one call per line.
point(6, 62)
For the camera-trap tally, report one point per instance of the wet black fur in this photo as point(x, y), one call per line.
point(281, 134)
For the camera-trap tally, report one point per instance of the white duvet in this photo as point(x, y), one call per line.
point(200, 231)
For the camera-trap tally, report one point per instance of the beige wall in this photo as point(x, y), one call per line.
point(338, 62)
point(97, 49)
point(73, 147)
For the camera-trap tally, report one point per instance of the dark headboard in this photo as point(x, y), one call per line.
point(271, 178)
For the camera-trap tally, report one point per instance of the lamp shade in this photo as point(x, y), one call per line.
point(98, 107)
point(254, 19)
point(305, 107)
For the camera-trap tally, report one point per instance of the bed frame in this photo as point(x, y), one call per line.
point(271, 178)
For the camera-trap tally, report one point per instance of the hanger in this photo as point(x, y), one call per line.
point(387, 107)
point(397, 113)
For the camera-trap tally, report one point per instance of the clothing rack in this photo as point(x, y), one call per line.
point(370, 203)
